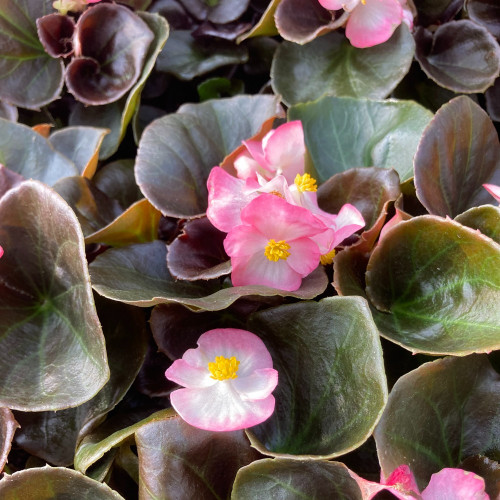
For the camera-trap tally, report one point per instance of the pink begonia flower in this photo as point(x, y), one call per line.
point(493, 190)
point(228, 381)
point(371, 22)
point(275, 244)
point(1, 251)
point(281, 152)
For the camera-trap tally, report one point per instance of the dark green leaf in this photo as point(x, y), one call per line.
point(216, 11)
point(485, 12)
point(485, 218)
point(437, 11)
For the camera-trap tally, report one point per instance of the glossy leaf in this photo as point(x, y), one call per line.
point(46, 303)
point(458, 153)
point(436, 284)
point(486, 219)
point(178, 151)
point(107, 62)
point(186, 57)
point(8, 180)
point(266, 25)
point(439, 414)
point(8, 426)
point(342, 133)
point(368, 189)
point(485, 12)
point(138, 275)
point(54, 436)
point(27, 153)
point(460, 55)
point(281, 478)
point(189, 462)
point(8, 112)
point(54, 483)
point(138, 224)
point(320, 351)
point(30, 78)
point(117, 115)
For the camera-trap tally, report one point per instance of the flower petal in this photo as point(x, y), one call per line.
point(258, 385)
point(374, 22)
point(187, 375)
point(220, 408)
point(339, 4)
point(304, 256)
point(347, 222)
point(244, 241)
point(455, 484)
point(493, 190)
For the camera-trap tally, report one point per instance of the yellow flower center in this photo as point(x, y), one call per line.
point(223, 368)
point(363, 2)
point(327, 258)
point(276, 250)
point(305, 183)
point(277, 193)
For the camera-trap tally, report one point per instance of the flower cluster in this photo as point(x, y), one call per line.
point(228, 381)
point(371, 22)
point(277, 234)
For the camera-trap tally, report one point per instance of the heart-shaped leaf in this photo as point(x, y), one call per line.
point(321, 351)
point(178, 151)
point(439, 414)
point(485, 218)
point(458, 152)
point(53, 483)
point(177, 460)
point(53, 352)
point(342, 133)
point(138, 275)
point(30, 77)
point(27, 153)
point(460, 55)
point(281, 478)
point(107, 61)
point(436, 285)
point(331, 65)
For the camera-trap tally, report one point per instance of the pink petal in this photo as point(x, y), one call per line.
point(244, 241)
point(493, 190)
point(285, 150)
point(258, 385)
point(304, 256)
point(373, 23)
point(187, 375)
point(347, 222)
point(402, 477)
point(455, 484)
point(339, 4)
point(1, 251)
point(220, 408)
point(247, 167)
point(396, 219)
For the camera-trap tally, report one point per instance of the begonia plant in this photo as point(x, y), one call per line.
point(249, 249)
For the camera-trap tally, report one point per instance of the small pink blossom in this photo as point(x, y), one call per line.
point(1, 251)
point(275, 244)
point(493, 190)
point(228, 381)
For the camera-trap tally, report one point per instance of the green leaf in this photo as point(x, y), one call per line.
point(54, 483)
point(138, 275)
point(321, 351)
point(439, 414)
point(178, 151)
point(331, 65)
point(460, 55)
point(485, 218)
point(436, 285)
point(53, 352)
point(26, 152)
point(459, 151)
point(265, 26)
point(29, 77)
point(177, 460)
point(295, 479)
point(342, 133)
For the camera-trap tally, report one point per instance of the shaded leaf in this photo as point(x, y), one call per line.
point(342, 133)
point(8, 180)
point(178, 151)
point(485, 218)
point(294, 479)
point(55, 31)
point(488, 469)
point(459, 151)
point(437, 11)
point(138, 275)
point(436, 284)
point(460, 55)
point(189, 462)
point(218, 11)
point(46, 303)
point(30, 78)
point(320, 351)
point(331, 65)
point(439, 414)
point(186, 57)
point(8, 426)
point(54, 483)
point(266, 25)
point(485, 12)
point(493, 100)
point(8, 112)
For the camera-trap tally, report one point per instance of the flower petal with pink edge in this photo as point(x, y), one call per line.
point(219, 408)
point(187, 375)
point(347, 222)
point(247, 167)
point(493, 190)
point(455, 484)
point(258, 385)
point(244, 241)
point(304, 256)
point(339, 4)
point(374, 22)
point(1, 251)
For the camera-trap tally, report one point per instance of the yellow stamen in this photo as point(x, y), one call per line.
point(328, 257)
point(277, 193)
point(223, 368)
point(305, 183)
point(363, 2)
point(276, 250)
